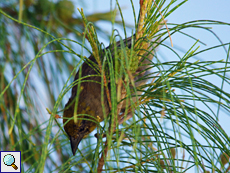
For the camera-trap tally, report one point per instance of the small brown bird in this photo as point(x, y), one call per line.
point(90, 99)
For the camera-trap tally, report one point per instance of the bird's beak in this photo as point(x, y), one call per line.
point(75, 142)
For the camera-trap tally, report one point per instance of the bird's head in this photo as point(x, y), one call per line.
point(80, 128)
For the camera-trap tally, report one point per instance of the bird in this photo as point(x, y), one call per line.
point(88, 103)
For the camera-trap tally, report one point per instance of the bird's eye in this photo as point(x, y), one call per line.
point(81, 129)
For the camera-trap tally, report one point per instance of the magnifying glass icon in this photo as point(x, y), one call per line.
point(9, 160)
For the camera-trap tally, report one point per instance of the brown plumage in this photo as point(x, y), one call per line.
point(89, 100)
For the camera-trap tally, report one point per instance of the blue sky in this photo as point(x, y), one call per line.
point(191, 10)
